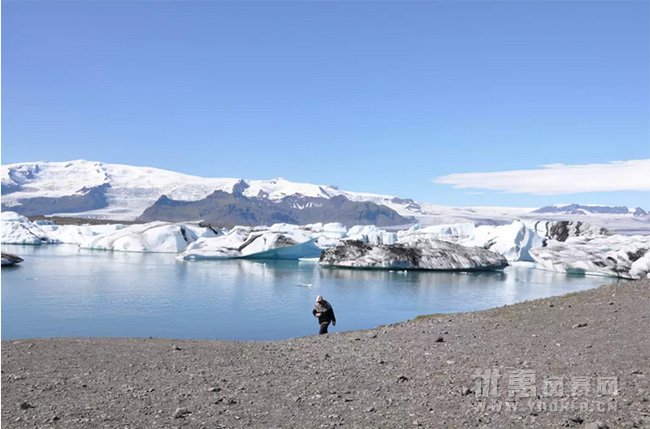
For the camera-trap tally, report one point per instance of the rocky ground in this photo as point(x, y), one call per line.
point(580, 360)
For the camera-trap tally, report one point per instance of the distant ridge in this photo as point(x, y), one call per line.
point(578, 209)
point(112, 191)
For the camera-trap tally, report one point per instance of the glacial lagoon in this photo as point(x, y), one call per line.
point(64, 291)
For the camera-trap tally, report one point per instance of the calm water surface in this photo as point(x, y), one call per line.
point(65, 291)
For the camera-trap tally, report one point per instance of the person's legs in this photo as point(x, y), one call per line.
point(323, 328)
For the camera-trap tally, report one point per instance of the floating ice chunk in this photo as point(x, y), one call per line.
point(613, 256)
point(640, 269)
point(278, 242)
point(17, 229)
point(158, 237)
point(419, 255)
point(513, 241)
point(370, 234)
point(448, 232)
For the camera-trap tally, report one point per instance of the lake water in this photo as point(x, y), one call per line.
point(66, 291)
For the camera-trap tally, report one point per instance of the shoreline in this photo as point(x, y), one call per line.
point(420, 372)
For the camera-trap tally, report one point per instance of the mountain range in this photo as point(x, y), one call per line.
point(96, 190)
point(111, 191)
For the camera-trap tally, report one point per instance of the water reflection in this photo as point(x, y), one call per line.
point(66, 291)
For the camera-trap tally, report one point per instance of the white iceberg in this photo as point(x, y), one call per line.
point(370, 234)
point(447, 232)
point(280, 241)
point(158, 237)
point(78, 234)
point(513, 241)
point(17, 229)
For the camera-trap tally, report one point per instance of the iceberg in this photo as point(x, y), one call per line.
point(78, 234)
point(370, 234)
point(612, 256)
point(280, 241)
point(513, 241)
point(158, 237)
point(10, 259)
point(425, 254)
point(17, 229)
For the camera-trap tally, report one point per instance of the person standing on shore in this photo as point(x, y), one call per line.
point(325, 314)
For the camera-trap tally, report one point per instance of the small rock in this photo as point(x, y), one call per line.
point(578, 325)
point(467, 391)
point(25, 406)
point(577, 419)
point(370, 410)
point(416, 423)
point(402, 378)
point(180, 413)
point(214, 389)
point(596, 425)
point(175, 347)
point(439, 340)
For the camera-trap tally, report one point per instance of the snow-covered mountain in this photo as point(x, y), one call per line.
point(121, 192)
point(581, 209)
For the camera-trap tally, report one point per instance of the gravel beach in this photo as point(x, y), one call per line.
point(579, 360)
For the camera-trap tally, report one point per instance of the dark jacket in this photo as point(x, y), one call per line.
point(326, 315)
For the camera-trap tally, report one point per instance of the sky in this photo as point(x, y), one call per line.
point(490, 103)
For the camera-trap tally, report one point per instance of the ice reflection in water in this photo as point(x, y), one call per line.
point(65, 291)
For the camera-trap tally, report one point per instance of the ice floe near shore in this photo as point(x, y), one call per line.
point(418, 255)
point(612, 256)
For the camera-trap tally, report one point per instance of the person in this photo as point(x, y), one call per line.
point(325, 314)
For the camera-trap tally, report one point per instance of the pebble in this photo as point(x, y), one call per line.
point(175, 347)
point(596, 425)
point(370, 410)
point(578, 325)
point(439, 340)
point(180, 413)
point(25, 406)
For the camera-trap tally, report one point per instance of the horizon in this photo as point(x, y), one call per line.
point(498, 105)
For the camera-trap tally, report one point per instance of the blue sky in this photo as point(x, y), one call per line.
point(384, 97)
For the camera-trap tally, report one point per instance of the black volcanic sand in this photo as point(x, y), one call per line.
point(417, 373)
